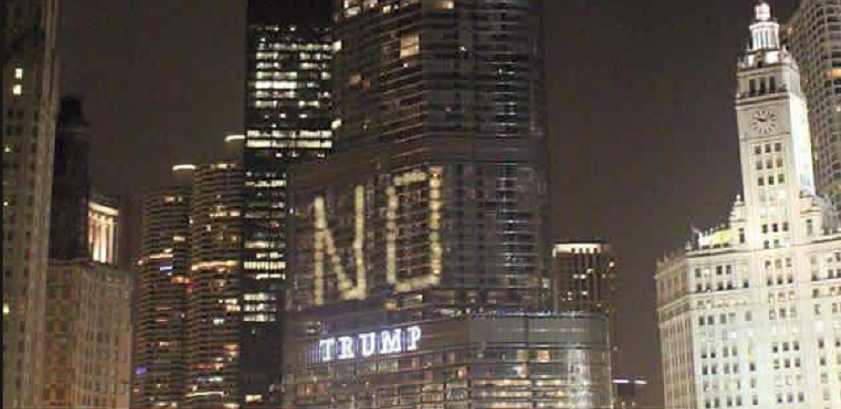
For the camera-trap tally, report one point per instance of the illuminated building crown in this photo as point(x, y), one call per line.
point(765, 30)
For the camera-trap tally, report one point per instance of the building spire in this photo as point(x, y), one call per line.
point(765, 30)
point(763, 11)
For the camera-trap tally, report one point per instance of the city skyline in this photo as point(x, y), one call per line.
point(656, 176)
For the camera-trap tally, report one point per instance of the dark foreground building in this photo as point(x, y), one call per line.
point(418, 256)
point(71, 183)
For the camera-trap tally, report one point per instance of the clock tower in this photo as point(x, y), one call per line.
point(754, 301)
point(776, 153)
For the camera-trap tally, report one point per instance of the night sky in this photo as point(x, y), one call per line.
point(644, 141)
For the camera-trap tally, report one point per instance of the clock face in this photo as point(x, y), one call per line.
point(764, 121)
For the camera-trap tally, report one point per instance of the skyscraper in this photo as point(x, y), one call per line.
point(287, 119)
point(30, 98)
point(189, 308)
point(814, 40)
point(417, 255)
point(71, 183)
point(214, 309)
point(159, 362)
point(750, 313)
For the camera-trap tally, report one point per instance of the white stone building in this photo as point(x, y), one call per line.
point(750, 313)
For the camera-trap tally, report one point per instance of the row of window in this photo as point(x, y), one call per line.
point(771, 180)
point(768, 148)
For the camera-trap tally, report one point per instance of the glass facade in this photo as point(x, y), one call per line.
point(814, 38)
point(287, 120)
point(476, 361)
point(417, 252)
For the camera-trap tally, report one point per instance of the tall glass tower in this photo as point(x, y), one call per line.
point(287, 120)
point(814, 38)
point(417, 252)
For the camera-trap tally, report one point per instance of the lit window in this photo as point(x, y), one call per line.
point(351, 8)
point(445, 4)
point(17, 89)
point(337, 45)
point(409, 45)
point(6, 309)
point(18, 73)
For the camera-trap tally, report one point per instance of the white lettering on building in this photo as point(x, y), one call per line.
point(386, 342)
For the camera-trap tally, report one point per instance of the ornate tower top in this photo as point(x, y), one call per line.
point(764, 47)
point(765, 30)
point(763, 11)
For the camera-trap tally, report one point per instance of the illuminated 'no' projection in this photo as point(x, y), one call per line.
point(325, 244)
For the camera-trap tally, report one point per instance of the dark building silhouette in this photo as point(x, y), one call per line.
point(71, 183)
point(287, 120)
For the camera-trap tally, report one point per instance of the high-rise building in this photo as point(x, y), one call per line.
point(583, 275)
point(88, 338)
point(214, 308)
point(814, 38)
point(583, 278)
point(417, 255)
point(160, 367)
point(104, 229)
point(287, 120)
point(189, 293)
point(750, 313)
point(71, 183)
point(30, 99)
point(628, 392)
